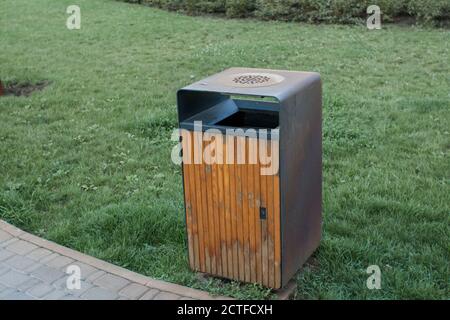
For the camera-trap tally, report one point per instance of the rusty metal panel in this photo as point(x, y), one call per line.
point(300, 177)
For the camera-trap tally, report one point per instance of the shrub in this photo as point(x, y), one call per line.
point(240, 8)
point(430, 11)
point(436, 12)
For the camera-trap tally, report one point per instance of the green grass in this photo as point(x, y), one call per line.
point(86, 162)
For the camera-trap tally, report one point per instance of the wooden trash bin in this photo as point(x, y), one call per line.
point(252, 173)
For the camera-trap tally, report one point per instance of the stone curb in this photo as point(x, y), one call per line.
point(108, 267)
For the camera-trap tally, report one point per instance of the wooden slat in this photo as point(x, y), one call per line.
point(264, 257)
point(251, 210)
point(221, 211)
point(210, 214)
point(216, 213)
point(233, 213)
point(199, 205)
point(277, 225)
point(245, 239)
point(192, 186)
point(204, 207)
point(186, 138)
point(258, 203)
point(270, 232)
point(227, 213)
point(240, 213)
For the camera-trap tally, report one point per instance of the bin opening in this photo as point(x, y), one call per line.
point(257, 119)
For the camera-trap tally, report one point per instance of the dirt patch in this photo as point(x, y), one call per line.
point(21, 88)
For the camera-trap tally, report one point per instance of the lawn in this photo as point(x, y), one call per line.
point(86, 161)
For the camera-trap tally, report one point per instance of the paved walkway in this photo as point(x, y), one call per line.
point(34, 268)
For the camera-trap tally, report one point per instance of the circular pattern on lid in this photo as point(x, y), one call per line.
point(252, 80)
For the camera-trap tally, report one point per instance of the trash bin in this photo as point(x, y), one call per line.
point(252, 173)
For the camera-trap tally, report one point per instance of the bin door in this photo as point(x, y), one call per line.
point(232, 209)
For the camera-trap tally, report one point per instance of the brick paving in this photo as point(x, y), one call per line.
point(32, 268)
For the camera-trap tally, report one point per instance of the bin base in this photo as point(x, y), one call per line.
point(287, 292)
